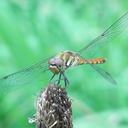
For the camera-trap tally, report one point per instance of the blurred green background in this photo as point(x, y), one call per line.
point(31, 30)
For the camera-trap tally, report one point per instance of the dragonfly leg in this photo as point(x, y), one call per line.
point(59, 79)
point(65, 80)
point(52, 78)
point(56, 80)
point(45, 70)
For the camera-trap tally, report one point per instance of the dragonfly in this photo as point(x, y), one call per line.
point(59, 63)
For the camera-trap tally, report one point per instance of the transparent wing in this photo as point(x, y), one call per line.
point(112, 32)
point(105, 74)
point(23, 77)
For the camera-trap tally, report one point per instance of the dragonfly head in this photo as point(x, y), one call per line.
point(55, 65)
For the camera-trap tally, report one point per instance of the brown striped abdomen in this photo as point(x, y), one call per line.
point(96, 61)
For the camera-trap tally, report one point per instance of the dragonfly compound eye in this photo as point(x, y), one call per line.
point(59, 62)
point(56, 61)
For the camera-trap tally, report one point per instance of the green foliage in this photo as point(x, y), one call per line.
point(33, 30)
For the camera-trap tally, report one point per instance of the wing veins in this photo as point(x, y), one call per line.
point(108, 35)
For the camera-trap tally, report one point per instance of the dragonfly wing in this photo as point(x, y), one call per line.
point(23, 77)
point(105, 74)
point(112, 32)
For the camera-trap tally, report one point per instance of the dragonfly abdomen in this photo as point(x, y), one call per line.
point(96, 61)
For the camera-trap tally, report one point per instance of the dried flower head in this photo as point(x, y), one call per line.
point(53, 108)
